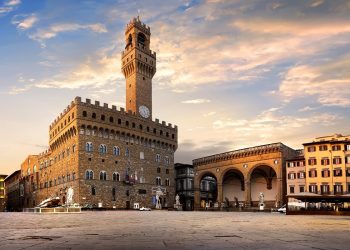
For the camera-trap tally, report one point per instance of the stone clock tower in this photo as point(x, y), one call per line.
point(138, 67)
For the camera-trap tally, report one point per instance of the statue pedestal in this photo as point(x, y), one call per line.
point(178, 207)
point(261, 206)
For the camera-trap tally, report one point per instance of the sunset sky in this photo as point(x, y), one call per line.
point(230, 74)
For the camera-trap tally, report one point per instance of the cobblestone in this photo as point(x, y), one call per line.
point(172, 230)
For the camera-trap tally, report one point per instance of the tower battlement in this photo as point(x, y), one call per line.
point(136, 22)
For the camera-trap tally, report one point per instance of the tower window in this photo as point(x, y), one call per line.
point(103, 117)
point(119, 121)
point(143, 78)
point(141, 38)
point(129, 40)
point(111, 119)
point(94, 115)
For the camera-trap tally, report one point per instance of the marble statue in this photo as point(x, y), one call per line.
point(70, 194)
point(158, 204)
point(177, 200)
point(261, 198)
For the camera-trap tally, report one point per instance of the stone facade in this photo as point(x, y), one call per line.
point(12, 190)
point(242, 174)
point(2, 192)
point(185, 185)
point(112, 158)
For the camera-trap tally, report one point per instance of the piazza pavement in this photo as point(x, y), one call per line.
point(172, 230)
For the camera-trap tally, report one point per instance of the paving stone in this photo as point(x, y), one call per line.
point(172, 230)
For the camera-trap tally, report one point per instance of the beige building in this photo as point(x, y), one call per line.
point(327, 161)
point(111, 157)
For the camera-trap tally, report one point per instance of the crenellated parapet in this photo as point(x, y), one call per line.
point(103, 115)
point(140, 25)
point(120, 112)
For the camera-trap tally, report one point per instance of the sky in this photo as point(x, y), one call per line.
point(231, 74)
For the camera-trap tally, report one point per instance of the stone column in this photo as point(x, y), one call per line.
point(247, 194)
point(197, 200)
point(220, 194)
point(279, 194)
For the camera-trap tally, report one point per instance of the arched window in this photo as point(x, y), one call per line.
point(166, 160)
point(129, 40)
point(116, 150)
point(93, 115)
point(103, 176)
point(103, 149)
point(116, 176)
point(88, 147)
point(73, 176)
point(89, 175)
point(157, 157)
point(158, 170)
point(84, 114)
point(111, 119)
point(141, 38)
point(127, 152)
point(103, 117)
point(158, 181)
point(167, 182)
point(93, 191)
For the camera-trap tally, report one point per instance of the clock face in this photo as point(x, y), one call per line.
point(144, 111)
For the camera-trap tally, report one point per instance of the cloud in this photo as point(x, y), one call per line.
point(307, 108)
point(315, 27)
point(196, 101)
point(12, 2)
point(317, 3)
point(44, 34)
point(98, 73)
point(272, 126)
point(328, 82)
point(189, 149)
point(9, 6)
point(209, 114)
point(26, 22)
